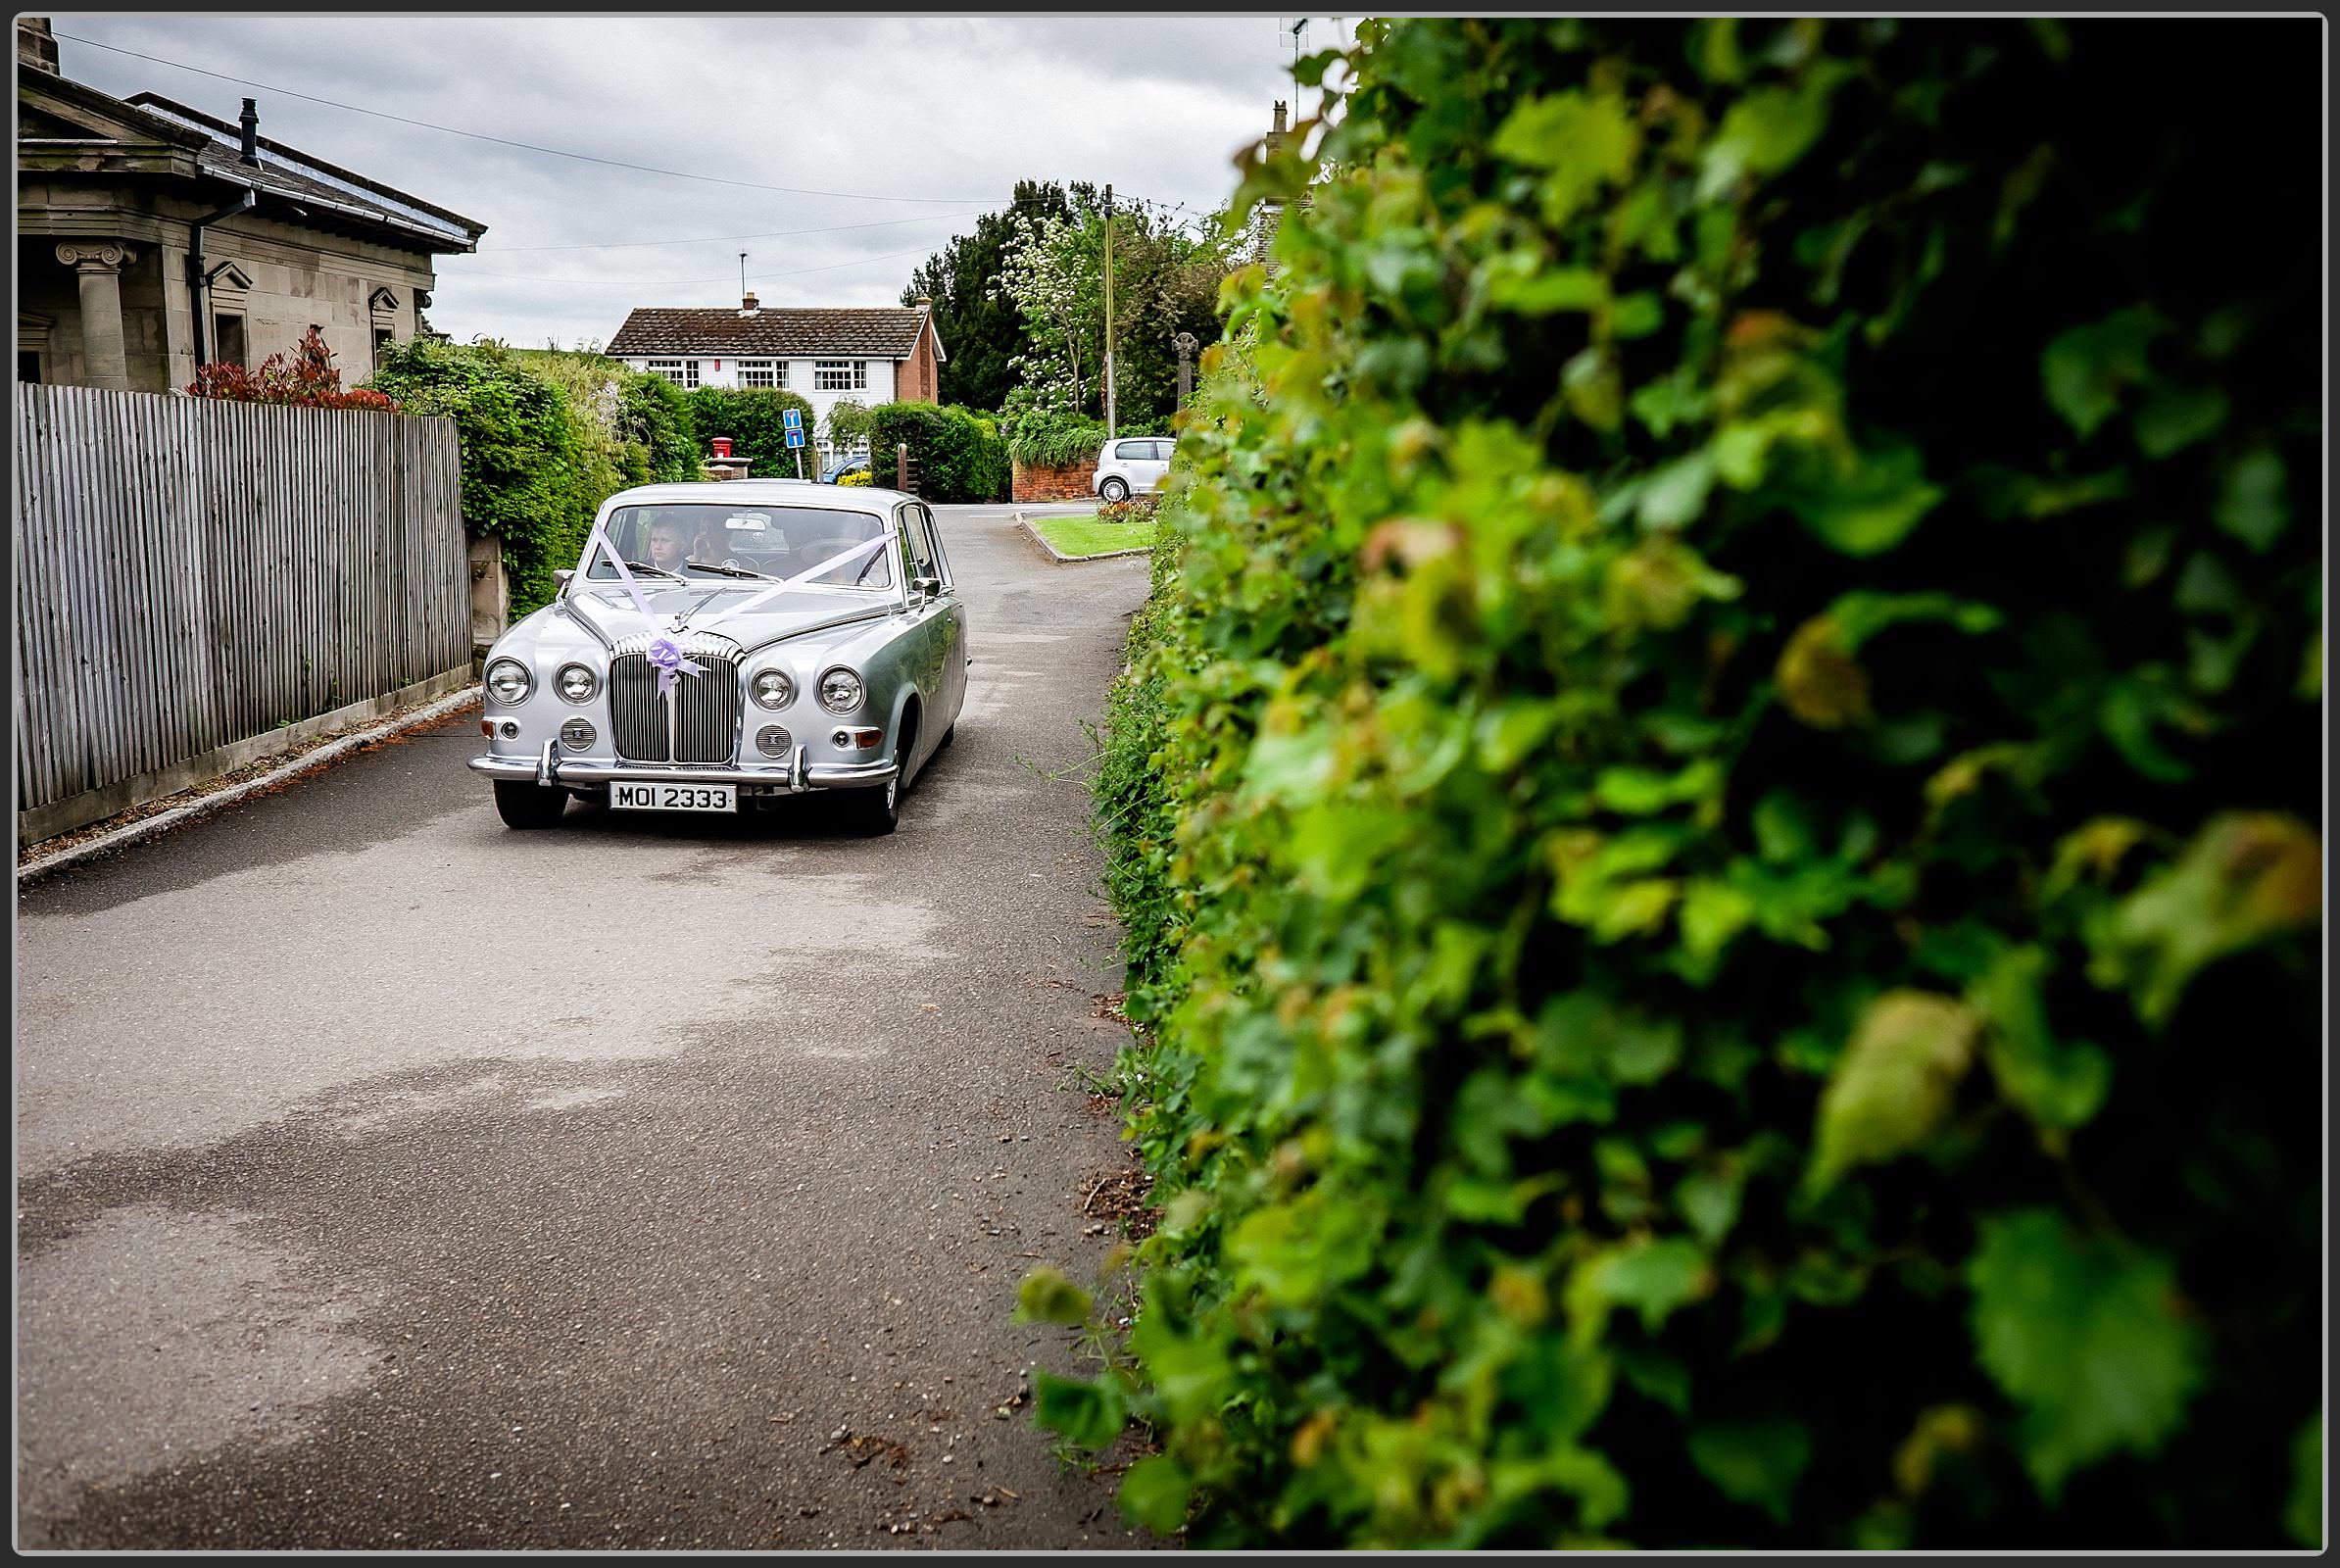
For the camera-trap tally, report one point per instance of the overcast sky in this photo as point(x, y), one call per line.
point(955, 109)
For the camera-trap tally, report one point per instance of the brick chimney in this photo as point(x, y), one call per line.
point(36, 45)
point(251, 123)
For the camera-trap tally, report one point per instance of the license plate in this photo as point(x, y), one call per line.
point(674, 797)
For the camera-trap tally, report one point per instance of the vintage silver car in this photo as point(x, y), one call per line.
point(721, 647)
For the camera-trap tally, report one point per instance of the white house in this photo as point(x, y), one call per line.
point(825, 356)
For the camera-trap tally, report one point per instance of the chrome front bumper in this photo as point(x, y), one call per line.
point(583, 773)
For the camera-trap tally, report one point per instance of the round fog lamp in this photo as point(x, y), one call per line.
point(576, 734)
point(773, 741)
point(511, 731)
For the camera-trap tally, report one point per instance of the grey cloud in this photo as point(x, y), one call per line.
point(939, 107)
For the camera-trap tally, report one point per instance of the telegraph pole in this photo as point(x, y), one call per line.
point(1113, 428)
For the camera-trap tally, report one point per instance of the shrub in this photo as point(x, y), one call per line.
point(1713, 807)
point(754, 418)
point(307, 378)
point(958, 454)
point(1055, 439)
point(857, 476)
point(530, 475)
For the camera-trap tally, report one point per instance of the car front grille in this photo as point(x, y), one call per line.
point(707, 715)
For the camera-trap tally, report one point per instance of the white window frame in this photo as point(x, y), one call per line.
point(773, 373)
point(673, 371)
point(839, 376)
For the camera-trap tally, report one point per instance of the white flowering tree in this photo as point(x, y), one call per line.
point(1053, 272)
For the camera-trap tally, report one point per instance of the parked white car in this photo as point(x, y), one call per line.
point(1133, 464)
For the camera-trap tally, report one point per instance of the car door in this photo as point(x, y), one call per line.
point(1160, 469)
point(951, 619)
point(929, 637)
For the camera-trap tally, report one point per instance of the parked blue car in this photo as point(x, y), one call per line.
point(840, 468)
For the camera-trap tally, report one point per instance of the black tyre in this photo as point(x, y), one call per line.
point(1114, 490)
point(526, 806)
point(874, 811)
point(948, 736)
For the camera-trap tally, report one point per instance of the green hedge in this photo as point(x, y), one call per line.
point(1713, 811)
point(534, 471)
point(959, 452)
point(754, 417)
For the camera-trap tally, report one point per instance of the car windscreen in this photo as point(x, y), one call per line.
point(707, 542)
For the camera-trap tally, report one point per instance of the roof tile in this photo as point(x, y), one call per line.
point(879, 334)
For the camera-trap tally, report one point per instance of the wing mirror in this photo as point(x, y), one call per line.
point(932, 587)
point(564, 575)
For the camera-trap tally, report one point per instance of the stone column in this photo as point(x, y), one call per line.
point(105, 361)
point(1186, 343)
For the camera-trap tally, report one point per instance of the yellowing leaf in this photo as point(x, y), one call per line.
point(1894, 1083)
point(1046, 1296)
point(2247, 877)
point(1821, 684)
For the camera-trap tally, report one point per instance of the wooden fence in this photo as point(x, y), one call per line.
point(192, 573)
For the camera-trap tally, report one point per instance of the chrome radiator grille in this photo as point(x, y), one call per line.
point(706, 709)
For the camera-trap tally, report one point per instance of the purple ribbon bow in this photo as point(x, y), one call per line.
point(669, 661)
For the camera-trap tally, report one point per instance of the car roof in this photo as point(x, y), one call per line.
point(760, 492)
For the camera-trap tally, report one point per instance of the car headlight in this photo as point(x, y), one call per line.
point(773, 688)
point(576, 683)
point(841, 689)
point(507, 681)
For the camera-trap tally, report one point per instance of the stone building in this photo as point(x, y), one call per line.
point(152, 236)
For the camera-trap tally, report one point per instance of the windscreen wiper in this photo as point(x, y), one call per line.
point(729, 571)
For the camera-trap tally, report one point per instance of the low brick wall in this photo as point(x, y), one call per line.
point(1066, 482)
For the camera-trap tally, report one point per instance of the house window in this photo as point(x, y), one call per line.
point(839, 376)
point(27, 366)
point(229, 331)
point(682, 372)
point(383, 337)
point(762, 373)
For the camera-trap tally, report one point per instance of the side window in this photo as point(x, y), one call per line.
point(915, 543)
point(1161, 451)
point(1134, 450)
point(933, 545)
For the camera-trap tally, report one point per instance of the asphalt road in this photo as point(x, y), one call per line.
point(386, 1178)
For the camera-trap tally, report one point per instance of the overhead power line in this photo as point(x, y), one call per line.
point(677, 282)
point(713, 240)
point(531, 147)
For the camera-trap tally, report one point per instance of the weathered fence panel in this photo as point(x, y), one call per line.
point(193, 574)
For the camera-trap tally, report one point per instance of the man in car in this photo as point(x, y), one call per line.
point(667, 551)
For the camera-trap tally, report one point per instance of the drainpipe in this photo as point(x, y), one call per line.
point(198, 284)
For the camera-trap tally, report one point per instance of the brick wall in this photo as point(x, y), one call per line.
point(1068, 482)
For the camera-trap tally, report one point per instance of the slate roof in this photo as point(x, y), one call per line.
point(774, 332)
point(297, 176)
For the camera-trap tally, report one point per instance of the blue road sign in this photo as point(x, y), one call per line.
point(792, 420)
point(796, 433)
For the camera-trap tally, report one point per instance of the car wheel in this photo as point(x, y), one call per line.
point(526, 806)
point(875, 811)
point(1114, 490)
point(949, 735)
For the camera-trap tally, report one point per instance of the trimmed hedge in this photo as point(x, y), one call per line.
point(531, 475)
point(754, 418)
point(1714, 807)
point(959, 453)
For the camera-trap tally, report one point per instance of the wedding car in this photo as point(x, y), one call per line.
point(725, 647)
